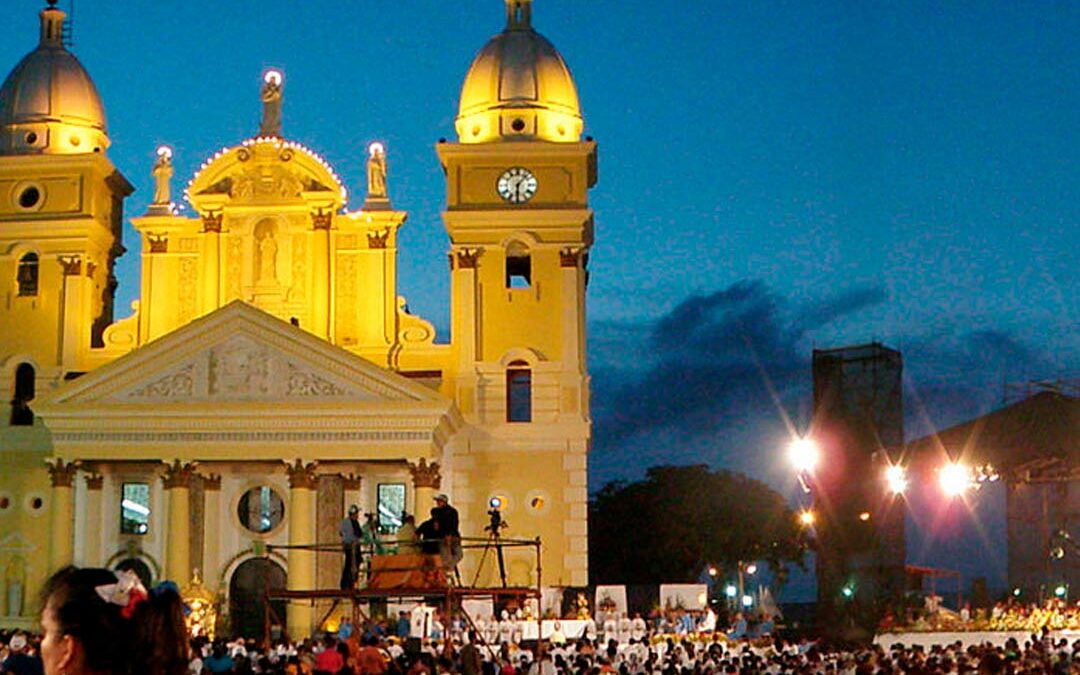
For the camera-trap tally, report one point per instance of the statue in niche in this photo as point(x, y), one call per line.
point(15, 576)
point(268, 258)
point(162, 173)
point(376, 171)
point(271, 98)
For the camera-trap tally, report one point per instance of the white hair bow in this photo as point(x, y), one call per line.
point(127, 592)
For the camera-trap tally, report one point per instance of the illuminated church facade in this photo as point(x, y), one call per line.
point(270, 375)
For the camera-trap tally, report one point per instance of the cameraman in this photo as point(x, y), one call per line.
point(447, 529)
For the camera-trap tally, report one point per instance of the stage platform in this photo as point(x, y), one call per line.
point(966, 638)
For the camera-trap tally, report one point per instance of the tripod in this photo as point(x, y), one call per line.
point(493, 542)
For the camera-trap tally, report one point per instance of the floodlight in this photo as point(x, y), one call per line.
point(806, 518)
point(713, 571)
point(1060, 591)
point(730, 590)
point(747, 601)
point(1016, 592)
point(864, 516)
point(896, 479)
point(751, 568)
point(955, 479)
point(804, 454)
point(848, 592)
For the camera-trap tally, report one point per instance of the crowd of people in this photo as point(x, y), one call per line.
point(367, 652)
point(97, 622)
point(1055, 614)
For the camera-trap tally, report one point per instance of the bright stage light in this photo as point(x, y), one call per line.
point(864, 516)
point(954, 479)
point(730, 590)
point(848, 592)
point(806, 518)
point(751, 568)
point(747, 601)
point(713, 571)
point(1060, 591)
point(896, 479)
point(804, 454)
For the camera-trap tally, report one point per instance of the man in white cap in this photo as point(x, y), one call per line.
point(19, 662)
point(351, 535)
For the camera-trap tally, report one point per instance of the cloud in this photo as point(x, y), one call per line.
point(714, 359)
point(714, 379)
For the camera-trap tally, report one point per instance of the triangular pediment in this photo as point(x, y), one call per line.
point(235, 355)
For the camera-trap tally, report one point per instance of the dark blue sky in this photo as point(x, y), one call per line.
point(774, 176)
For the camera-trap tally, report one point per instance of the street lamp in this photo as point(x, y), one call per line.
point(804, 454)
point(745, 568)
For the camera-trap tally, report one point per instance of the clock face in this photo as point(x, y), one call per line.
point(517, 185)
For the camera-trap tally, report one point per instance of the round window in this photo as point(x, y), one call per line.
point(518, 125)
point(31, 138)
point(29, 197)
point(261, 509)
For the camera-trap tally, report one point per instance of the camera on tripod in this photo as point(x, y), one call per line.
point(496, 521)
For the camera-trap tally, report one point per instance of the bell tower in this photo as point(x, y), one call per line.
point(520, 230)
point(61, 203)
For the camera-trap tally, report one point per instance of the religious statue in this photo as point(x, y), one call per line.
point(268, 258)
point(271, 99)
point(162, 173)
point(376, 172)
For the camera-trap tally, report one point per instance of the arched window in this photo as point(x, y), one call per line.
point(518, 266)
point(518, 392)
point(21, 415)
point(27, 275)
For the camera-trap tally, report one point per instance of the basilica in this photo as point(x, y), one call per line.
point(270, 376)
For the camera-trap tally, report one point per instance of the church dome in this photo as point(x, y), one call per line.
point(519, 88)
point(49, 104)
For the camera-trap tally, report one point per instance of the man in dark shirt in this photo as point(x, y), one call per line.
point(446, 526)
point(19, 662)
point(351, 534)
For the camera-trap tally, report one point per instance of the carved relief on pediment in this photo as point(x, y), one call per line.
point(242, 369)
point(239, 368)
point(177, 384)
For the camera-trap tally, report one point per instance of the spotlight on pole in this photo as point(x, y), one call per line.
point(955, 479)
point(896, 479)
point(804, 454)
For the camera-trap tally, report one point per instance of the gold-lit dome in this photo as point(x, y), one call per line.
point(49, 104)
point(519, 88)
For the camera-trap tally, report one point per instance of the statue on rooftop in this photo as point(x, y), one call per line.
point(162, 173)
point(271, 98)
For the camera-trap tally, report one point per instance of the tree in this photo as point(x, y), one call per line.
point(669, 526)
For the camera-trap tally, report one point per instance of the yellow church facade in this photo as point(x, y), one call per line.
point(270, 375)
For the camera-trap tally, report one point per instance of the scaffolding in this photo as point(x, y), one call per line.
point(448, 593)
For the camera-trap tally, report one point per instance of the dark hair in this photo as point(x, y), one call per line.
point(152, 642)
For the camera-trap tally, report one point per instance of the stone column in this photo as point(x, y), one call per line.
point(320, 273)
point(212, 519)
point(62, 513)
point(211, 261)
point(177, 482)
point(74, 337)
point(301, 513)
point(94, 522)
point(426, 483)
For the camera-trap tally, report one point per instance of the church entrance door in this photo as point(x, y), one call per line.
point(247, 597)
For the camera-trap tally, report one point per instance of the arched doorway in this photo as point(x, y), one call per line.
point(140, 568)
point(247, 593)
